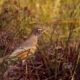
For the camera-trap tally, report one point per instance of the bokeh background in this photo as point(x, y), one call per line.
point(61, 19)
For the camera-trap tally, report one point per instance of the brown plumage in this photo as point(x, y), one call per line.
point(28, 46)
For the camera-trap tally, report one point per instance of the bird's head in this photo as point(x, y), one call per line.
point(37, 31)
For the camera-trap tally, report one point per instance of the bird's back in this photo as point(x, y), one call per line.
point(26, 45)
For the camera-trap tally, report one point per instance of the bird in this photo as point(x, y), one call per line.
point(28, 46)
point(23, 50)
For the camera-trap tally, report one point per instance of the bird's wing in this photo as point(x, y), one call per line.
point(21, 49)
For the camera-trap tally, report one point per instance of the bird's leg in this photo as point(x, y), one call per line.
point(29, 53)
point(26, 68)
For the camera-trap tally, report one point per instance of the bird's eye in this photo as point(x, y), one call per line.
point(39, 30)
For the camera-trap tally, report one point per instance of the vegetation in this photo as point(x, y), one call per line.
point(58, 56)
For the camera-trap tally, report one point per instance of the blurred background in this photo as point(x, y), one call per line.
point(61, 19)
